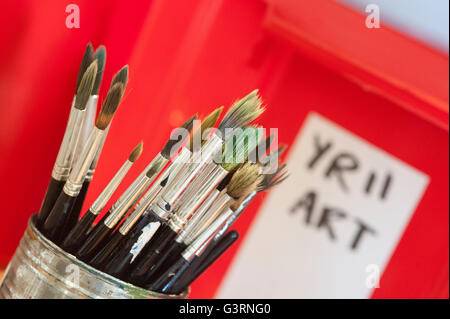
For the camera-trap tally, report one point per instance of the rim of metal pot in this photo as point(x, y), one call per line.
point(132, 289)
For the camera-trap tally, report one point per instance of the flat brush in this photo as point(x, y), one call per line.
point(203, 262)
point(55, 225)
point(169, 278)
point(98, 236)
point(240, 114)
point(157, 250)
point(120, 77)
point(79, 233)
point(64, 159)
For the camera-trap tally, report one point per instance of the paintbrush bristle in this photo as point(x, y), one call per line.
point(154, 169)
point(238, 147)
point(207, 123)
point(241, 113)
point(136, 153)
point(271, 180)
point(88, 58)
point(86, 86)
point(100, 55)
point(109, 107)
point(244, 181)
point(121, 76)
point(178, 137)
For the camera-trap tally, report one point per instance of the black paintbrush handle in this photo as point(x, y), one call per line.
point(79, 233)
point(93, 243)
point(166, 282)
point(167, 257)
point(75, 213)
point(53, 190)
point(119, 265)
point(102, 257)
point(145, 265)
point(55, 222)
point(209, 256)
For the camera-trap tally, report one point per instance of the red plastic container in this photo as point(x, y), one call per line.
point(191, 56)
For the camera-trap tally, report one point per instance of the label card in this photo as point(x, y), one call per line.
point(329, 230)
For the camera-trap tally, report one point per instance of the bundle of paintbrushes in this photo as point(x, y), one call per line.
point(172, 222)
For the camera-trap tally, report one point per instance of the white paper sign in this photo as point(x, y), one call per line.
point(329, 230)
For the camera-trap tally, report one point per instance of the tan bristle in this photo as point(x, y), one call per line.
point(136, 153)
point(244, 181)
point(109, 107)
point(86, 86)
point(207, 123)
point(121, 76)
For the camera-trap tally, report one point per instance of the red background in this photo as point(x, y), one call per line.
point(192, 56)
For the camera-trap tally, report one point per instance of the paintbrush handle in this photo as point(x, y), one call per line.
point(75, 213)
point(55, 222)
point(79, 233)
point(53, 190)
point(95, 240)
point(200, 263)
point(104, 255)
point(165, 283)
point(131, 246)
point(145, 264)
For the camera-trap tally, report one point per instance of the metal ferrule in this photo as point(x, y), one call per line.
point(64, 160)
point(193, 188)
point(132, 188)
point(230, 221)
point(109, 190)
point(90, 173)
point(192, 223)
point(188, 171)
point(120, 210)
point(200, 243)
point(179, 219)
point(221, 204)
point(75, 181)
point(88, 124)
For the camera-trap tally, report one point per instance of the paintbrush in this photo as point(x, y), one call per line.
point(176, 139)
point(207, 258)
point(129, 198)
point(235, 152)
point(79, 233)
point(240, 114)
point(89, 121)
point(120, 77)
point(55, 225)
point(64, 160)
point(101, 232)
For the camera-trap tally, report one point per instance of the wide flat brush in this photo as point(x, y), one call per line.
point(65, 157)
point(55, 225)
point(79, 233)
point(120, 77)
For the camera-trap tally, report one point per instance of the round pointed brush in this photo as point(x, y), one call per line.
point(79, 233)
point(55, 225)
point(120, 77)
point(64, 159)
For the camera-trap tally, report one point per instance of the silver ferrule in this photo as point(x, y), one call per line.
point(189, 170)
point(132, 188)
point(230, 221)
point(91, 170)
point(192, 223)
point(124, 206)
point(109, 190)
point(193, 188)
point(221, 204)
point(64, 160)
point(200, 243)
point(179, 219)
point(74, 183)
point(88, 124)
